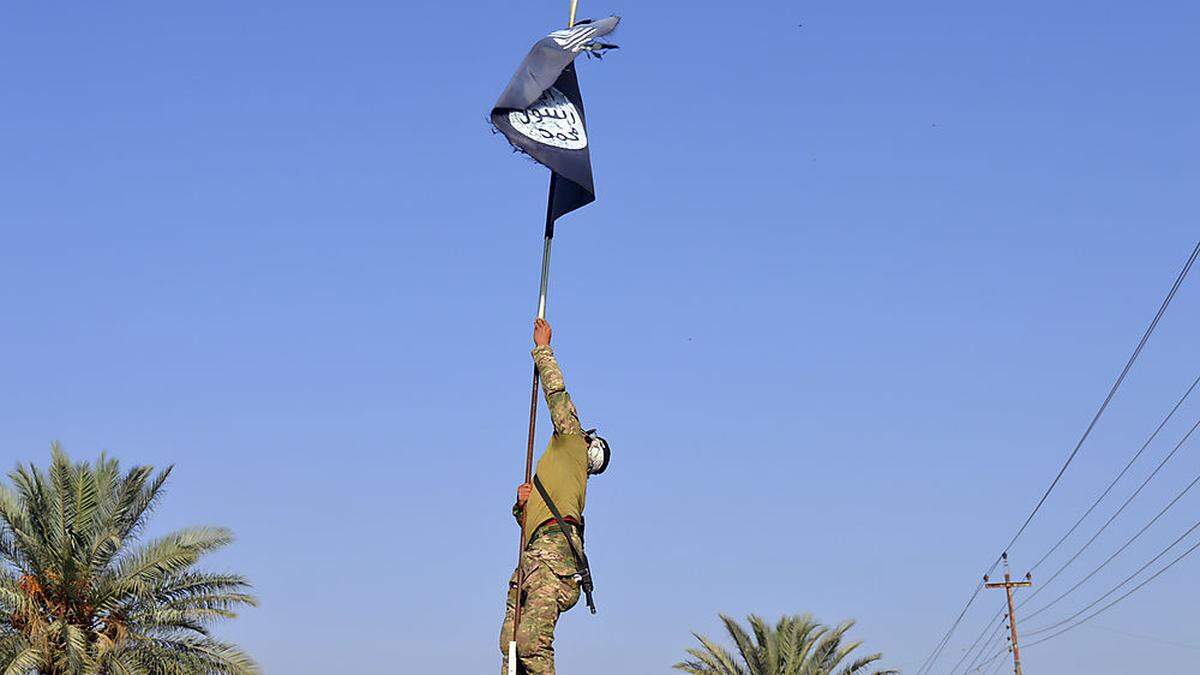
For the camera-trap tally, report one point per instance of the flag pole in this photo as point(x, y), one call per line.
point(543, 288)
point(541, 313)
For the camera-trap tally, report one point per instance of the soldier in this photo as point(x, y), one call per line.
point(552, 575)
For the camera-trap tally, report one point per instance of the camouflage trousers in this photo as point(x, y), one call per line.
point(550, 589)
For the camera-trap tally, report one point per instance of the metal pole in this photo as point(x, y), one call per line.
point(544, 286)
point(545, 283)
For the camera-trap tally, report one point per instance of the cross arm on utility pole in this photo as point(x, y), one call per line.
point(1009, 584)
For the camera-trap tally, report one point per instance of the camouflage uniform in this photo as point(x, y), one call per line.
point(562, 410)
point(550, 587)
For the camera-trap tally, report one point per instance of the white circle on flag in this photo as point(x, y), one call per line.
point(551, 120)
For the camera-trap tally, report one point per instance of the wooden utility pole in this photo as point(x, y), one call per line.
point(1008, 585)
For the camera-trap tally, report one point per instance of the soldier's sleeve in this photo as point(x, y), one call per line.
point(562, 410)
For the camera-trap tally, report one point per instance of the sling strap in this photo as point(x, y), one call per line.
point(583, 573)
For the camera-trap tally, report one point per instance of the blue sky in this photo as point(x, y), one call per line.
point(851, 291)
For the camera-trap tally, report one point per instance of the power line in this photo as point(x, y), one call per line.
point(1114, 517)
point(982, 648)
point(996, 640)
point(965, 650)
point(992, 658)
point(1116, 588)
point(1108, 489)
point(1111, 392)
point(1149, 638)
point(931, 660)
point(1130, 591)
point(996, 634)
point(937, 651)
point(1131, 539)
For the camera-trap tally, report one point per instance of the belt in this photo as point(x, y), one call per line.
point(552, 525)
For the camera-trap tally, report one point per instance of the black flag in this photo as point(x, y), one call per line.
point(541, 111)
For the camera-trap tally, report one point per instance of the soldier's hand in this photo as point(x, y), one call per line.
point(541, 332)
point(523, 491)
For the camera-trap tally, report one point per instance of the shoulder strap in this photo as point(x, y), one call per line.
point(581, 565)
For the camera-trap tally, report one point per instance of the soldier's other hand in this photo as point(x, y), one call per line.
point(523, 491)
point(541, 332)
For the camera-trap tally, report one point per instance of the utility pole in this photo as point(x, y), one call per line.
point(1008, 585)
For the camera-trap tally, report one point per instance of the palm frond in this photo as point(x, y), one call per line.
point(795, 645)
point(26, 660)
point(711, 659)
point(80, 594)
point(749, 651)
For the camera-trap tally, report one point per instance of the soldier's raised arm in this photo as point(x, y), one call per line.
point(562, 410)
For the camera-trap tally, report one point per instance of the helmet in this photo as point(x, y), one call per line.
point(598, 453)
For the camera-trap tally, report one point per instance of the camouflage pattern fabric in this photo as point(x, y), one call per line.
point(550, 589)
point(562, 410)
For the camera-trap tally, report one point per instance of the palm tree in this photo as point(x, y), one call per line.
point(80, 596)
point(796, 645)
